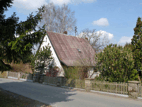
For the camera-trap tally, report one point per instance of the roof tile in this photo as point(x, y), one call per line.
point(66, 48)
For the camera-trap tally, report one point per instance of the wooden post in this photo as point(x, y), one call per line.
point(116, 87)
point(121, 87)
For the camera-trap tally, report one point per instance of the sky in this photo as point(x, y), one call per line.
point(115, 19)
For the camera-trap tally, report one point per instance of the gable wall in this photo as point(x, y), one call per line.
point(56, 62)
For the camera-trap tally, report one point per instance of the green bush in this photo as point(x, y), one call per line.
point(116, 64)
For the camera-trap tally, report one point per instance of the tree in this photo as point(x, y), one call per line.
point(96, 40)
point(41, 59)
point(58, 19)
point(16, 48)
point(137, 45)
point(116, 64)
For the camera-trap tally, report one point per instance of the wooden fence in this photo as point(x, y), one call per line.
point(20, 75)
point(13, 74)
point(113, 87)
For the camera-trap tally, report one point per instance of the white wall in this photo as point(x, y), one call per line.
point(91, 71)
point(56, 62)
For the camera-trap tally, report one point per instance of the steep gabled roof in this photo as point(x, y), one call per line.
point(72, 51)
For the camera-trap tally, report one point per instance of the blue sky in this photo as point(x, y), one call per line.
point(114, 18)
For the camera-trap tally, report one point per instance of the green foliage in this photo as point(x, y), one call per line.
point(116, 64)
point(99, 78)
point(14, 48)
point(41, 58)
point(137, 45)
point(75, 72)
point(71, 72)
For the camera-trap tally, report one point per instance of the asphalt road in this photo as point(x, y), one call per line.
point(60, 97)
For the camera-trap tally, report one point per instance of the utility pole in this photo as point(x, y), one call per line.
point(75, 30)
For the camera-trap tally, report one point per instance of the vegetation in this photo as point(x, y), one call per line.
point(58, 18)
point(21, 67)
point(97, 41)
point(17, 38)
point(116, 64)
point(42, 58)
point(75, 72)
point(137, 45)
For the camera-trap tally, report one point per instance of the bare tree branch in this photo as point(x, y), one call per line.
point(97, 41)
point(58, 19)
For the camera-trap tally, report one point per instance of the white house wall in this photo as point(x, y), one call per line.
point(57, 63)
point(91, 71)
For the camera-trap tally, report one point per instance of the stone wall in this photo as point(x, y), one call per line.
point(133, 89)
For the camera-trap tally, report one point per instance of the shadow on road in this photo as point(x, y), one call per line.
point(43, 93)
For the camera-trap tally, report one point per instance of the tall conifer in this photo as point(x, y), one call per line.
point(14, 48)
point(137, 45)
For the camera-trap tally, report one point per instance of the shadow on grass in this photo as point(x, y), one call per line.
point(43, 93)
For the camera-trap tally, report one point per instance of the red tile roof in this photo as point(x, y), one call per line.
point(67, 49)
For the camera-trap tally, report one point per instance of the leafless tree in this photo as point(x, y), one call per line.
point(97, 40)
point(58, 19)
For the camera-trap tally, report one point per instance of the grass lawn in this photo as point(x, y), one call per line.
point(9, 99)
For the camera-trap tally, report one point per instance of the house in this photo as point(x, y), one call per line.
point(70, 51)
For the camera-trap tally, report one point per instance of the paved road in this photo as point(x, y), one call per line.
point(60, 97)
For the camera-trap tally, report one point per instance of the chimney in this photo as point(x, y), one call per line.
point(65, 32)
point(86, 38)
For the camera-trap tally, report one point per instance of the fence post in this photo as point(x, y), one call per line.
point(18, 75)
point(121, 87)
point(133, 89)
point(116, 87)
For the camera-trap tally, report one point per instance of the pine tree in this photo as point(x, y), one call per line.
point(14, 48)
point(137, 45)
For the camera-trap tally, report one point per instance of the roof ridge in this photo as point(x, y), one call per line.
point(65, 34)
point(59, 33)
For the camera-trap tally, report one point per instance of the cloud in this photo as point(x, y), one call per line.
point(105, 34)
point(85, 1)
point(101, 22)
point(123, 40)
point(102, 34)
point(29, 4)
point(32, 5)
point(60, 2)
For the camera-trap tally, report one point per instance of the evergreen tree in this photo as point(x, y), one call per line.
point(14, 48)
point(137, 45)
